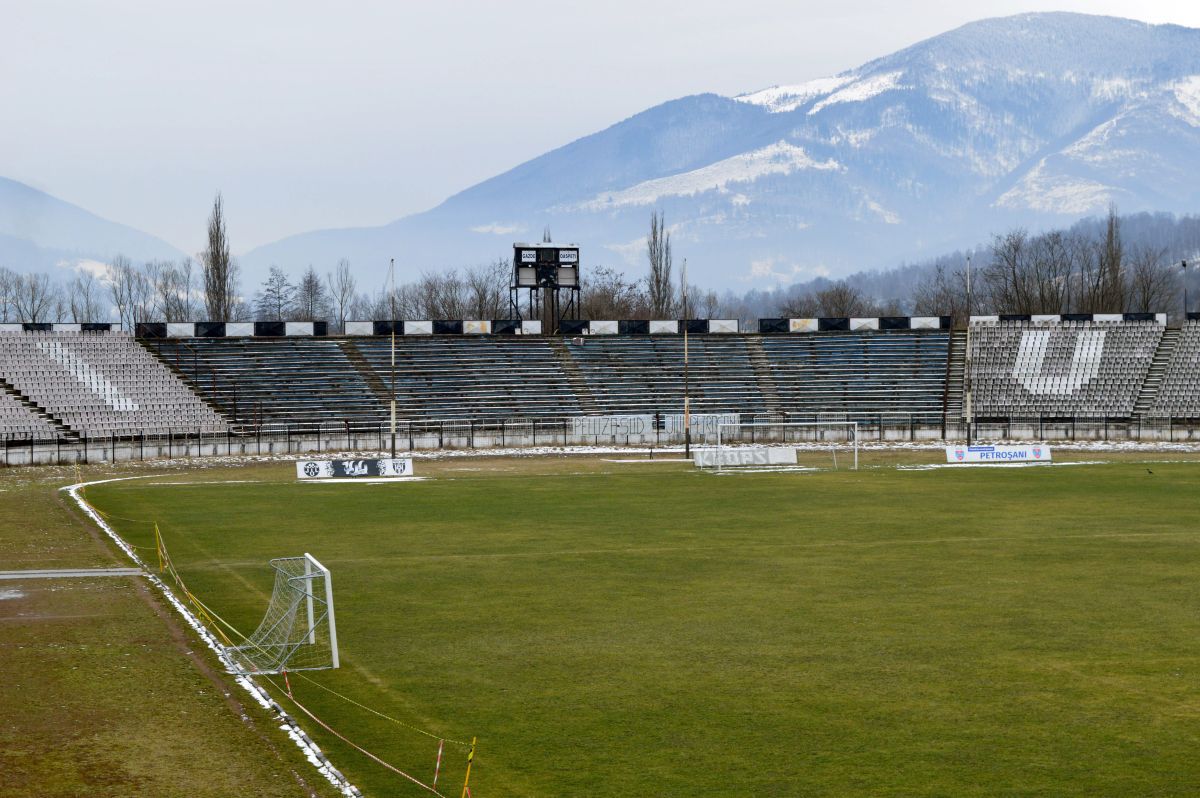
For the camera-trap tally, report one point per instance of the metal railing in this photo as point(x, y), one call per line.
point(645, 430)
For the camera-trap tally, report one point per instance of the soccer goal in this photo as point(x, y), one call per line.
point(298, 632)
point(779, 444)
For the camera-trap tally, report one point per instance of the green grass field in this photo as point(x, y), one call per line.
point(642, 629)
point(103, 692)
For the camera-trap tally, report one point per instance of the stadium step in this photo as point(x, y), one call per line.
point(61, 428)
point(571, 370)
point(369, 375)
point(762, 374)
point(956, 367)
point(1158, 369)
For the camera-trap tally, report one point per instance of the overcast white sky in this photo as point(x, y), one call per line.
point(305, 116)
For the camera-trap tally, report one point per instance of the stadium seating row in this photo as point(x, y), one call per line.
point(99, 383)
point(1069, 368)
point(351, 379)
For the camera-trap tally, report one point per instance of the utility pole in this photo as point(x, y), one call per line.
point(967, 362)
point(687, 415)
point(392, 304)
point(1185, 297)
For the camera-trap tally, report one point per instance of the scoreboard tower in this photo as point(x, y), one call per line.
point(549, 273)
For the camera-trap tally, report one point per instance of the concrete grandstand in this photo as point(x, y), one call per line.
point(1028, 376)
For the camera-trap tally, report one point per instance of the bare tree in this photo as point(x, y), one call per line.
point(34, 298)
point(83, 301)
point(275, 301)
point(606, 294)
point(220, 271)
point(487, 290)
point(944, 293)
point(1151, 284)
point(341, 292)
point(842, 299)
point(171, 286)
point(1111, 263)
point(658, 249)
point(8, 294)
point(311, 302)
point(127, 288)
point(686, 294)
point(186, 279)
point(800, 306)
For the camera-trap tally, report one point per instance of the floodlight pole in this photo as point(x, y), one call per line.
point(392, 302)
point(1185, 297)
point(967, 362)
point(687, 415)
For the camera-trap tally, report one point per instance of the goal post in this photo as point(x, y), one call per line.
point(299, 630)
point(734, 436)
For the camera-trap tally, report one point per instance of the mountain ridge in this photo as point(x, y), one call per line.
point(1031, 120)
point(39, 231)
point(1034, 119)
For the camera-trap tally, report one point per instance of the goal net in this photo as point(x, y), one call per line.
point(774, 445)
point(298, 632)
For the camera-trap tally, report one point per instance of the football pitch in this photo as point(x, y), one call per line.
point(636, 629)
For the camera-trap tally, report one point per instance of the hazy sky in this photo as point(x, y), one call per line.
point(309, 115)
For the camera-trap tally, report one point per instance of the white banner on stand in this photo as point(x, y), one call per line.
point(1028, 453)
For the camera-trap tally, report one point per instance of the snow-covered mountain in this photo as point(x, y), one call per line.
point(39, 232)
point(1035, 119)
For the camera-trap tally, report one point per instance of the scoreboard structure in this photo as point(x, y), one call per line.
point(549, 275)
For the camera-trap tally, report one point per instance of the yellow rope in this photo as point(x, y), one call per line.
point(428, 734)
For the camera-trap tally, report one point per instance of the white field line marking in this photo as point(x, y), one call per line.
point(70, 573)
point(311, 750)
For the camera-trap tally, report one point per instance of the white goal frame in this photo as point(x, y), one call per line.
point(852, 427)
point(270, 648)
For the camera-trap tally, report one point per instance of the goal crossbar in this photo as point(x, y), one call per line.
point(851, 428)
